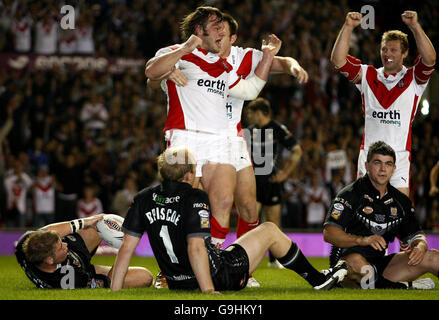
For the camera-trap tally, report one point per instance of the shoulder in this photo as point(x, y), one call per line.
point(167, 49)
point(350, 192)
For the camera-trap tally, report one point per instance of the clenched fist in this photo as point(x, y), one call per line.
point(353, 19)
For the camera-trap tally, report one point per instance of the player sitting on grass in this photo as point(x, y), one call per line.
point(176, 218)
point(58, 256)
point(365, 216)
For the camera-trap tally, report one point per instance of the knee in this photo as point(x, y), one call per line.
point(432, 258)
point(356, 263)
point(145, 278)
point(270, 226)
point(221, 200)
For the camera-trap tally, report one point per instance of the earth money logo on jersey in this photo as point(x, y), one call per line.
point(213, 86)
point(388, 117)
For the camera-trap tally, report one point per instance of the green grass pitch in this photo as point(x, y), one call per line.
point(275, 285)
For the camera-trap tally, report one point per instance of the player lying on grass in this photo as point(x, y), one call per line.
point(58, 256)
point(176, 218)
point(365, 216)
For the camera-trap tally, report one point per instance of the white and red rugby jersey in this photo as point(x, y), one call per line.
point(389, 102)
point(201, 104)
point(244, 63)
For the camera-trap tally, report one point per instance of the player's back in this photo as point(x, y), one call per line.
point(171, 212)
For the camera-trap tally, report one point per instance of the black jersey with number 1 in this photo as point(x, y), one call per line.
point(170, 214)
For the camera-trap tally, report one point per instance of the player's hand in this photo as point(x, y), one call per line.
point(416, 255)
point(410, 18)
point(93, 220)
point(433, 191)
point(178, 78)
point(300, 74)
point(375, 241)
point(273, 45)
point(353, 19)
point(192, 43)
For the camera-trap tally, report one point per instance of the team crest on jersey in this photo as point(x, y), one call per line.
point(204, 219)
point(401, 83)
point(335, 214)
point(367, 210)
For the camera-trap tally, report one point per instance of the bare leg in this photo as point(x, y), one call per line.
point(258, 241)
point(91, 238)
point(219, 182)
point(245, 195)
point(135, 277)
point(399, 269)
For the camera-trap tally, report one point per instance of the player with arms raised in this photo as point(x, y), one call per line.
point(390, 94)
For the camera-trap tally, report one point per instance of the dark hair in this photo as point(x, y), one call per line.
point(196, 18)
point(260, 104)
point(380, 147)
point(233, 24)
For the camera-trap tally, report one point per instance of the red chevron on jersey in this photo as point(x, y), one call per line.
point(387, 97)
point(213, 69)
point(175, 119)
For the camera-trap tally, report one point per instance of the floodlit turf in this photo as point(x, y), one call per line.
point(275, 285)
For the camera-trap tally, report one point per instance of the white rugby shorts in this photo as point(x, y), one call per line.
point(401, 175)
point(207, 147)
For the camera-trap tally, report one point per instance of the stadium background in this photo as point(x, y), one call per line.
point(44, 96)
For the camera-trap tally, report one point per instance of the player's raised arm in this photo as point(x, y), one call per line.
point(289, 65)
point(68, 227)
point(249, 89)
point(341, 46)
point(423, 43)
point(159, 67)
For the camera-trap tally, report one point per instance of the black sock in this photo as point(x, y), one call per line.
point(296, 261)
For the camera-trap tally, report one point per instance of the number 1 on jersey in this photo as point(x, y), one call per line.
point(164, 234)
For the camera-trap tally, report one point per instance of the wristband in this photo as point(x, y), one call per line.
point(77, 224)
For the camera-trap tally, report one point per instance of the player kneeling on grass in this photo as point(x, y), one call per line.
point(365, 216)
point(58, 256)
point(176, 219)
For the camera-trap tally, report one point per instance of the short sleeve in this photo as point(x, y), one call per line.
point(351, 69)
point(340, 212)
point(198, 217)
point(134, 222)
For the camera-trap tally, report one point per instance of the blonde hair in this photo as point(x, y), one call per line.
point(175, 162)
point(396, 35)
point(40, 245)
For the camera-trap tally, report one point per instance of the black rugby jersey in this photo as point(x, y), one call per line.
point(357, 209)
point(74, 272)
point(170, 214)
point(267, 144)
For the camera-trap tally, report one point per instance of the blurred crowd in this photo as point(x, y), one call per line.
point(77, 143)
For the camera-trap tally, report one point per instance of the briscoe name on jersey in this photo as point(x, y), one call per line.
point(170, 214)
point(201, 103)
